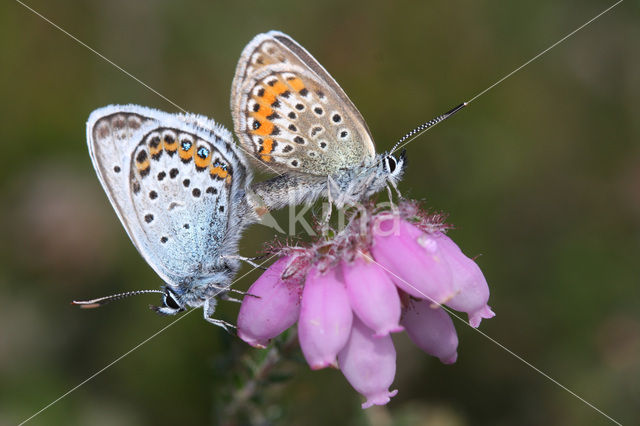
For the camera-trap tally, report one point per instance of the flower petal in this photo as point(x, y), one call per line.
point(432, 330)
point(373, 296)
point(276, 307)
point(369, 364)
point(325, 318)
point(468, 278)
point(417, 268)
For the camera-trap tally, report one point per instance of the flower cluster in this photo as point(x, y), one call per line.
point(389, 270)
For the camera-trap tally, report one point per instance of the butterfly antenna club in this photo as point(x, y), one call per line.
point(426, 126)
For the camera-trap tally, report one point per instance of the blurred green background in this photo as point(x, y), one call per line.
point(540, 176)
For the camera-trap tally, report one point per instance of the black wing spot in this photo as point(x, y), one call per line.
point(153, 195)
point(221, 208)
point(336, 118)
point(186, 226)
point(116, 169)
point(288, 148)
point(212, 190)
point(299, 140)
point(292, 115)
point(164, 240)
point(256, 107)
point(304, 92)
point(162, 175)
point(299, 107)
point(142, 155)
point(173, 173)
point(186, 183)
point(318, 110)
point(196, 192)
point(293, 128)
point(148, 218)
point(155, 141)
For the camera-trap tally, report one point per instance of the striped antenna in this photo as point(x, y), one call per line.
point(426, 126)
point(101, 301)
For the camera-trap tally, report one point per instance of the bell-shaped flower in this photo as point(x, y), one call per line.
point(473, 291)
point(271, 306)
point(325, 318)
point(369, 364)
point(418, 269)
point(373, 296)
point(432, 330)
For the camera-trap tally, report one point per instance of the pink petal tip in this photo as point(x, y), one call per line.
point(379, 399)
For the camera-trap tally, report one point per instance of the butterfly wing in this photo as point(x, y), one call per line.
point(291, 113)
point(172, 184)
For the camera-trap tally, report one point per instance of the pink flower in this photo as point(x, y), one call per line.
point(373, 296)
point(418, 269)
point(385, 270)
point(431, 329)
point(325, 319)
point(272, 306)
point(473, 289)
point(369, 364)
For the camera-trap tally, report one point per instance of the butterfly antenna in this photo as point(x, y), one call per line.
point(426, 126)
point(101, 301)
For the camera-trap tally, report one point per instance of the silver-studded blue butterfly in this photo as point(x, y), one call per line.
point(177, 183)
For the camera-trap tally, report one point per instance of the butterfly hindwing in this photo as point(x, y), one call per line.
point(289, 112)
point(171, 183)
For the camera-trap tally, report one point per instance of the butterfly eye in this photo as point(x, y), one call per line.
point(389, 164)
point(170, 302)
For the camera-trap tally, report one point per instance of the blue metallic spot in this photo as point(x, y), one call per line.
point(203, 152)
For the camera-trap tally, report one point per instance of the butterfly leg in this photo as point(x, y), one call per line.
point(327, 214)
point(390, 193)
point(244, 293)
point(208, 310)
point(249, 260)
point(227, 298)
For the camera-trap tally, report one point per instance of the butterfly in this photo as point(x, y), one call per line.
point(297, 121)
point(177, 182)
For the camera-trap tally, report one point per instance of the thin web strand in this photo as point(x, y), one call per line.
point(94, 375)
point(500, 345)
point(127, 73)
point(520, 67)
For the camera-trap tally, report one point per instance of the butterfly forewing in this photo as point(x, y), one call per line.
point(171, 184)
point(290, 112)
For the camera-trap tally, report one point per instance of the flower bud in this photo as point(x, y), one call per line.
point(325, 318)
point(369, 364)
point(270, 307)
point(417, 267)
point(373, 296)
point(473, 292)
point(432, 330)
